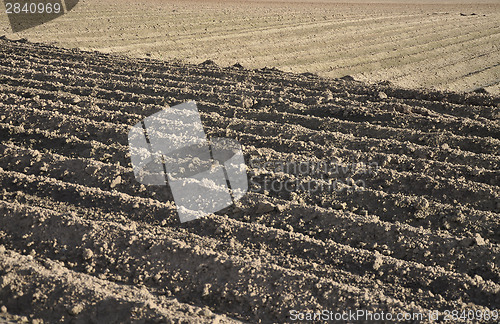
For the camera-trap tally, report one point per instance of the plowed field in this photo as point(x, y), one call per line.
point(81, 240)
point(447, 45)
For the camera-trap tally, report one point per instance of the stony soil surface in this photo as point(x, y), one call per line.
point(81, 241)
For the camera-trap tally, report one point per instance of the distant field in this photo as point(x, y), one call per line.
point(413, 45)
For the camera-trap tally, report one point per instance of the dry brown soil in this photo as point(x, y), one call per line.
point(82, 242)
point(415, 44)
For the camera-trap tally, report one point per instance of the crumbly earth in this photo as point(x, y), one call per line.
point(81, 241)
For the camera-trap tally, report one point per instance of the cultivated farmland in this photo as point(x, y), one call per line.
point(82, 241)
point(393, 110)
point(440, 44)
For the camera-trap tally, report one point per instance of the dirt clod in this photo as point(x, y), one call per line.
point(116, 181)
point(264, 207)
point(247, 103)
point(479, 240)
point(77, 309)
point(382, 95)
point(377, 263)
point(87, 254)
point(467, 241)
